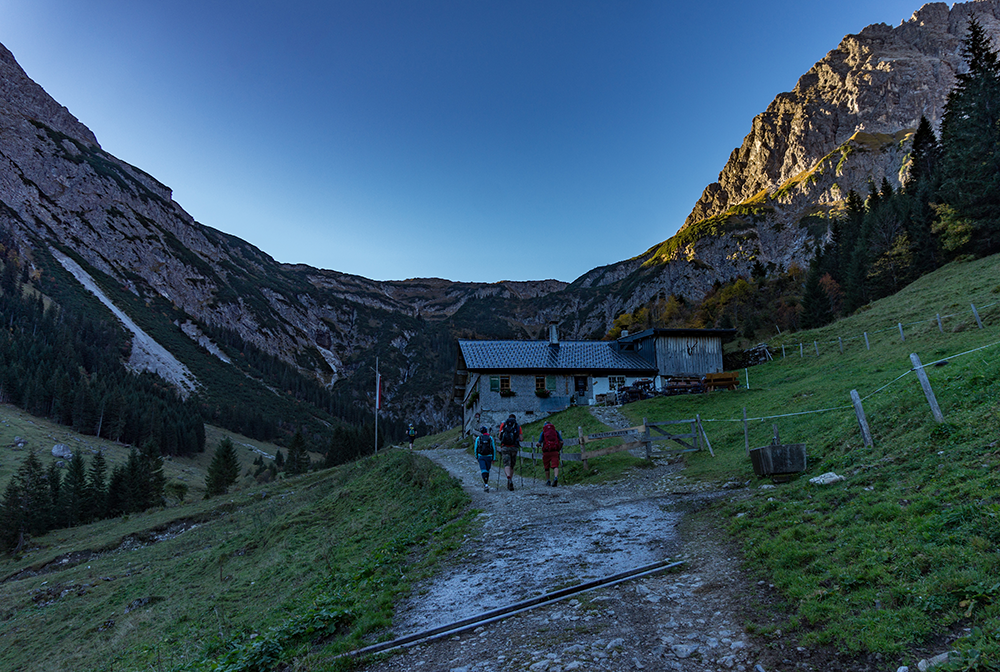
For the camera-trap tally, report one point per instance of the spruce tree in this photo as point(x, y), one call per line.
point(96, 494)
point(73, 492)
point(223, 470)
point(924, 156)
point(970, 140)
point(298, 459)
point(816, 309)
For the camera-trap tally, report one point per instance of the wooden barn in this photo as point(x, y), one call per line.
point(678, 352)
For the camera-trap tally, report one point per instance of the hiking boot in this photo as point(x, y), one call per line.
point(510, 484)
point(555, 483)
point(548, 482)
point(486, 488)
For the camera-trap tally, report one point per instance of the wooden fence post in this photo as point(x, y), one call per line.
point(862, 420)
point(708, 444)
point(926, 384)
point(746, 432)
point(583, 449)
point(901, 336)
point(841, 341)
point(747, 372)
point(647, 440)
point(940, 326)
point(816, 345)
point(867, 344)
point(801, 353)
point(782, 350)
point(976, 313)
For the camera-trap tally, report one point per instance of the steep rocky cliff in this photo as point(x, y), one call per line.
point(59, 191)
point(847, 121)
point(879, 81)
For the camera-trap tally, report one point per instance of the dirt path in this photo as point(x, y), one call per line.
point(537, 539)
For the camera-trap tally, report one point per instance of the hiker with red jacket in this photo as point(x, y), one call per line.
point(551, 442)
point(510, 442)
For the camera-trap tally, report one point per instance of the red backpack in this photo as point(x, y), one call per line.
point(550, 439)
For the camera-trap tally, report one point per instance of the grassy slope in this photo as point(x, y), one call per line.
point(908, 546)
point(294, 570)
point(41, 435)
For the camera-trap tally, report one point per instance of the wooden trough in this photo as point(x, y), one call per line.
point(781, 461)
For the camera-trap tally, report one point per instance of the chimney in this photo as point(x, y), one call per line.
point(624, 333)
point(553, 335)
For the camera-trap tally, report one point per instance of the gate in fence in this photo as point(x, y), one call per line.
point(651, 437)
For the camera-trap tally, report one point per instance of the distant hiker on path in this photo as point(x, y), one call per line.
point(551, 442)
point(486, 452)
point(411, 433)
point(510, 441)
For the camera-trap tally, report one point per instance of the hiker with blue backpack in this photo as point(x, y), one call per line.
point(551, 442)
point(486, 452)
point(510, 442)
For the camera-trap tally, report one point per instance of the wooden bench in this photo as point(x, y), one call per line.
point(683, 385)
point(721, 381)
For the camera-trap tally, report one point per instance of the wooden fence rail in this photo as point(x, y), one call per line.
point(642, 436)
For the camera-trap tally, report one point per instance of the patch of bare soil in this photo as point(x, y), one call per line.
point(537, 539)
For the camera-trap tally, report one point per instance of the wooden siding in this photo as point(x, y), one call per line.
point(696, 355)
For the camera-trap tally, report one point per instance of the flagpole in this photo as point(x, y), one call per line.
point(378, 401)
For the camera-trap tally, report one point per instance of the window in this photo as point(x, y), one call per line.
point(543, 383)
point(580, 383)
point(504, 384)
point(616, 382)
point(494, 383)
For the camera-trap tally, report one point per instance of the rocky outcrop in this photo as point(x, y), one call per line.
point(879, 81)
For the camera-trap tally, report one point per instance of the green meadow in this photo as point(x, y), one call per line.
point(289, 574)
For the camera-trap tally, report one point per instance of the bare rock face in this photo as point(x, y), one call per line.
point(879, 81)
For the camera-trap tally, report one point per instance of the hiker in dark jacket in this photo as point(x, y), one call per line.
point(551, 442)
point(510, 441)
point(486, 452)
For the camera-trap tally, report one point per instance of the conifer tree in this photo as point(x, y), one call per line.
point(73, 492)
point(816, 309)
point(924, 156)
point(223, 470)
point(96, 493)
point(970, 140)
point(153, 471)
point(298, 459)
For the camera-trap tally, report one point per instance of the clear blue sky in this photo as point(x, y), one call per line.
point(473, 140)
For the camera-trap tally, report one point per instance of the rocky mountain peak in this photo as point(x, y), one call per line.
point(879, 81)
point(22, 99)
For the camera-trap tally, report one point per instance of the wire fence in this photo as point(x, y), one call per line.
point(883, 388)
point(900, 328)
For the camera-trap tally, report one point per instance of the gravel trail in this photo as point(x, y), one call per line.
point(537, 539)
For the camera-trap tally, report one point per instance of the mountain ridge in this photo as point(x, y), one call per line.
point(772, 205)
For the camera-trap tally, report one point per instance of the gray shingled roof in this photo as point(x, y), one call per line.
point(539, 355)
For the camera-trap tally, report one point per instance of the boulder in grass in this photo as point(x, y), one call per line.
point(62, 451)
point(827, 478)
